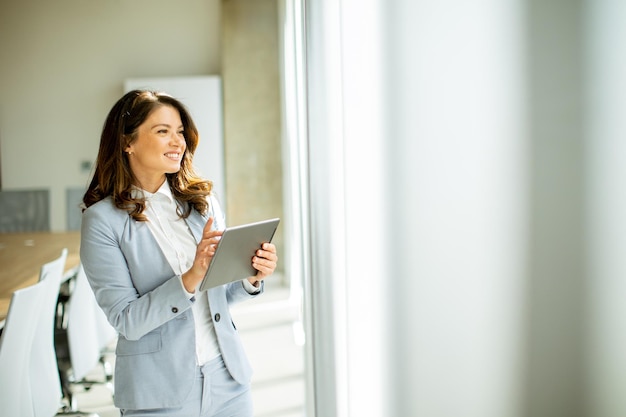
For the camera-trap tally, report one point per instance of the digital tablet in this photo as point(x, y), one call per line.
point(233, 256)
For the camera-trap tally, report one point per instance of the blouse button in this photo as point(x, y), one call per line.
point(217, 317)
point(174, 309)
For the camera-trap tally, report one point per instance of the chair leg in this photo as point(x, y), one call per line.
point(108, 373)
point(71, 413)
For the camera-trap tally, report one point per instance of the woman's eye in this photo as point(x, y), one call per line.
point(181, 133)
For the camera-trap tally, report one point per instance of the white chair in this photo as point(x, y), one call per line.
point(15, 350)
point(45, 380)
point(44, 371)
point(83, 338)
point(106, 335)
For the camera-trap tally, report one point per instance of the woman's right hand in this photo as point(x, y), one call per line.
point(204, 254)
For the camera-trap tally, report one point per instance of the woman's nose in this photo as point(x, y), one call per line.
point(177, 139)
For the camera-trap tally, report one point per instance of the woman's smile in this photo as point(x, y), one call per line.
point(176, 156)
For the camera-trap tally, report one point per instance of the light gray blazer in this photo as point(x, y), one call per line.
point(145, 302)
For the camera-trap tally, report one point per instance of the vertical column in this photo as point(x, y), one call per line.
point(555, 361)
point(606, 150)
point(252, 125)
point(370, 283)
point(457, 206)
point(327, 284)
point(350, 274)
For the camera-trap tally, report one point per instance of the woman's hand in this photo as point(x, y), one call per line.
point(204, 254)
point(264, 262)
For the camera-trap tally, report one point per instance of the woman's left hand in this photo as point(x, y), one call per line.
point(264, 262)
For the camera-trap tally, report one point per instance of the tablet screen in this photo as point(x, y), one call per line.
point(233, 257)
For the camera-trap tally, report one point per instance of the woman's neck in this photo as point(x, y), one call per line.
point(151, 186)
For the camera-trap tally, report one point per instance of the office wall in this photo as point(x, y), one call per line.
point(62, 66)
point(252, 112)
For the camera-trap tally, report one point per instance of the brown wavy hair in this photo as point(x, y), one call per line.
point(113, 176)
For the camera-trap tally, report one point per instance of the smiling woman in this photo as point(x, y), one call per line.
point(149, 232)
point(140, 130)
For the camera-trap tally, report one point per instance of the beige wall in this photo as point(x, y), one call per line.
point(62, 66)
point(252, 125)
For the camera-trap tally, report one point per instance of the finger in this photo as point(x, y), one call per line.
point(213, 240)
point(209, 250)
point(208, 225)
point(210, 246)
point(261, 264)
point(261, 261)
point(267, 255)
point(270, 247)
point(212, 234)
point(207, 232)
point(263, 272)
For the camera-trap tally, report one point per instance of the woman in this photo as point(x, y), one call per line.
point(149, 231)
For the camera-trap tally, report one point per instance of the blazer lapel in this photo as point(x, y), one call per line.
point(196, 223)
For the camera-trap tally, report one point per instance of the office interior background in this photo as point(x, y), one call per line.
point(450, 175)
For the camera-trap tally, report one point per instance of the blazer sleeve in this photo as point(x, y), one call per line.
point(109, 249)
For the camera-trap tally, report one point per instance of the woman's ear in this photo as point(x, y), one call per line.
point(127, 140)
point(129, 148)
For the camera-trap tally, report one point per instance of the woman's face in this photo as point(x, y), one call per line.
point(158, 148)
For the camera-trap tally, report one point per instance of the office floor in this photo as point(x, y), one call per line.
point(266, 325)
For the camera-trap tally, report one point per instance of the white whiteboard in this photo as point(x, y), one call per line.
point(202, 96)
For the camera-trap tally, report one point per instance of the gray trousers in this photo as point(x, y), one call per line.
point(215, 394)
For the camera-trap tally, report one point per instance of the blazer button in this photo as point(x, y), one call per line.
point(174, 309)
point(217, 317)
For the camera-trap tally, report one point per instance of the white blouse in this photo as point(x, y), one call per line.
point(179, 247)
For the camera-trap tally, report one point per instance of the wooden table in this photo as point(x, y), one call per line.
point(23, 254)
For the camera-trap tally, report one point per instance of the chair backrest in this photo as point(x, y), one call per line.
point(82, 327)
point(15, 350)
point(24, 211)
point(106, 332)
point(55, 267)
point(74, 197)
point(44, 371)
